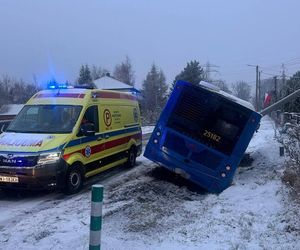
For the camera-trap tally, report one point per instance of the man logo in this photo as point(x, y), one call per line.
point(9, 156)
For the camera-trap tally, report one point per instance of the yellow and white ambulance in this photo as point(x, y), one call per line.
point(64, 135)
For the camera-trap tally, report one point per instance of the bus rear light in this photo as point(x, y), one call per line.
point(223, 175)
point(158, 133)
point(155, 141)
point(228, 168)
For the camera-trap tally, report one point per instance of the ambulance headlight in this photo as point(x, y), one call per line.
point(47, 158)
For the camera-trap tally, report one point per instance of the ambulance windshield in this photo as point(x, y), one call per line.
point(45, 119)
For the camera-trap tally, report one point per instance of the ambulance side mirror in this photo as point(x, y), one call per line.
point(87, 129)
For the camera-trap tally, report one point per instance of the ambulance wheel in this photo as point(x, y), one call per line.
point(131, 157)
point(74, 180)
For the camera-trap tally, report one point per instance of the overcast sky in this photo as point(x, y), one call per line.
point(54, 37)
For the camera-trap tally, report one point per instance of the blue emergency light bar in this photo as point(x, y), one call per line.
point(56, 85)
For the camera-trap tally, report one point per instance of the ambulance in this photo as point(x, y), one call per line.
point(64, 135)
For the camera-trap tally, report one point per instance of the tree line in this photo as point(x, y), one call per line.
point(122, 71)
point(154, 91)
point(16, 91)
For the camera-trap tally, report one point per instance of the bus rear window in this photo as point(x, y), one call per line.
point(210, 119)
point(226, 129)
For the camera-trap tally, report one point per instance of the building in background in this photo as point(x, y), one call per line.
point(110, 83)
point(7, 114)
point(9, 111)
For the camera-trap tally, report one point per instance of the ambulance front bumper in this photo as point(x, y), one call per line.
point(45, 176)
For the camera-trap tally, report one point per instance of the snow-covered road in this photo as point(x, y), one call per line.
point(145, 208)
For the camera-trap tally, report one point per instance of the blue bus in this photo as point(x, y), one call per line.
point(202, 134)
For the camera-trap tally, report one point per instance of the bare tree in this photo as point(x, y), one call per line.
point(124, 72)
point(97, 72)
point(222, 85)
point(3, 94)
point(242, 90)
point(15, 91)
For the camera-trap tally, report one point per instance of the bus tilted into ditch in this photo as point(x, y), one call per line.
point(202, 134)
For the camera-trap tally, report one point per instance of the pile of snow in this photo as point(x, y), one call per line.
point(146, 208)
point(147, 129)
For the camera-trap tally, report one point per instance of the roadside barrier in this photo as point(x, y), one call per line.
point(96, 217)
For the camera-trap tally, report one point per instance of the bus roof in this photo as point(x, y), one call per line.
point(233, 98)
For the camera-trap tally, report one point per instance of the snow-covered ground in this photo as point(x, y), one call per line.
point(146, 208)
point(147, 129)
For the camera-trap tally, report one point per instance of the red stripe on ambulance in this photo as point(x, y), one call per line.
point(114, 95)
point(107, 145)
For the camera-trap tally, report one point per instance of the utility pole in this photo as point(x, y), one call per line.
point(283, 75)
point(208, 69)
point(256, 88)
point(275, 88)
point(256, 85)
point(259, 94)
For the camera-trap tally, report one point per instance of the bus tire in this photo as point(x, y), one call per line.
point(131, 160)
point(74, 179)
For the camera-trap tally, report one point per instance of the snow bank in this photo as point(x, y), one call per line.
point(147, 129)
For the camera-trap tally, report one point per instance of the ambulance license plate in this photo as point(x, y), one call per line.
point(10, 179)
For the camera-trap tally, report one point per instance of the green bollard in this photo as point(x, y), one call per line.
point(96, 217)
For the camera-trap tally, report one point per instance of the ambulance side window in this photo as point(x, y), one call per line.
point(91, 116)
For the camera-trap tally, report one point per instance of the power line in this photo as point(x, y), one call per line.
point(270, 69)
point(286, 62)
point(291, 60)
point(295, 63)
point(269, 74)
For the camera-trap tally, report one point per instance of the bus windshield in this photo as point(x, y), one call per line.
point(45, 119)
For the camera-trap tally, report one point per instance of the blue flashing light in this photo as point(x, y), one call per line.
point(55, 85)
point(62, 86)
point(52, 87)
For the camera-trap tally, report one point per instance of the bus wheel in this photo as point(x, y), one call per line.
point(74, 180)
point(131, 157)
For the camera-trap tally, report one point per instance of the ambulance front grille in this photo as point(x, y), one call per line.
point(18, 161)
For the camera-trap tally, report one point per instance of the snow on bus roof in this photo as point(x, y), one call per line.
point(233, 98)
